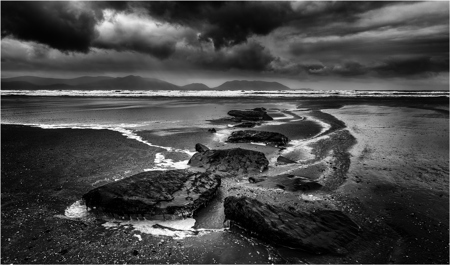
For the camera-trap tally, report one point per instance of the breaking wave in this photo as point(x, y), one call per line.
point(228, 93)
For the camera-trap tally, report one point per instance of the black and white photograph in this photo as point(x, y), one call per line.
point(231, 132)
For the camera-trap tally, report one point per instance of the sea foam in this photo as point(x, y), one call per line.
point(228, 93)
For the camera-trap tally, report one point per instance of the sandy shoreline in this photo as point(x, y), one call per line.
point(396, 187)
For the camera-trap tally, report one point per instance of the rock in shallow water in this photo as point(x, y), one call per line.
point(168, 194)
point(250, 115)
point(248, 136)
point(318, 232)
point(235, 160)
point(281, 160)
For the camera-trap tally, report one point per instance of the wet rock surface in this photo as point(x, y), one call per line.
point(319, 231)
point(257, 114)
point(247, 124)
point(234, 161)
point(287, 182)
point(248, 136)
point(156, 194)
point(281, 160)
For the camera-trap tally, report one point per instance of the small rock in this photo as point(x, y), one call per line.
point(281, 160)
point(250, 115)
point(212, 130)
point(255, 179)
point(233, 161)
point(201, 148)
point(248, 136)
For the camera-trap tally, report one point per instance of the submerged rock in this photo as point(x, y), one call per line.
point(235, 160)
point(318, 232)
point(247, 124)
point(167, 194)
point(250, 115)
point(248, 136)
point(281, 160)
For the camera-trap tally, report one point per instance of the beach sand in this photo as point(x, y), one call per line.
point(386, 168)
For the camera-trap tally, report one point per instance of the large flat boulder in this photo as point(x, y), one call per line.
point(258, 114)
point(318, 231)
point(234, 161)
point(248, 136)
point(168, 194)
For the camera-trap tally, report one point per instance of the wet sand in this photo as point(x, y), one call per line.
point(388, 171)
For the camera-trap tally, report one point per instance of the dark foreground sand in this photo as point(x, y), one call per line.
point(390, 175)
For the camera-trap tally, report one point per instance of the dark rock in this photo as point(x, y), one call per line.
point(281, 186)
point(247, 136)
point(250, 115)
point(201, 148)
point(255, 179)
point(247, 124)
point(306, 185)
point(168, 194)
point(318, 231)
point(281, 160)
point(260, 109)
point(212, 130)
point(292, 183)
point(234, 161)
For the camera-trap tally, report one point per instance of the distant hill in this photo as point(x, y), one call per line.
point(302, 89)
point(43, 81)
point(251, 85)
point(196, 86)
point(130, 82)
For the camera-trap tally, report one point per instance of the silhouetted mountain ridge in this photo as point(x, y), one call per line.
point(251, 85)
point(130, 82)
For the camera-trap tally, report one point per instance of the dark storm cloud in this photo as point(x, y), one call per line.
point(53, 23)
point(225, 23)
point(317, 39)
point(251, 56)
point(66, 26)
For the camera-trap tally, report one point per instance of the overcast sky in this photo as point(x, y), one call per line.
point(319, 45)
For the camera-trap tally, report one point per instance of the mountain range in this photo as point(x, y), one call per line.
point(130, 82)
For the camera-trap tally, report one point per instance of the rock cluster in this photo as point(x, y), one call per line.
point(155, 194)
point(256, 114)
point(248, 136)
point(318, 232)
point(234, 161)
